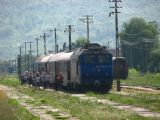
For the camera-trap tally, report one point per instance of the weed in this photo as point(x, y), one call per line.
point(84, 110)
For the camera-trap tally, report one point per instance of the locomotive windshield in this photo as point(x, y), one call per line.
point(89, 59)
point(96, 59)
point(103, 59)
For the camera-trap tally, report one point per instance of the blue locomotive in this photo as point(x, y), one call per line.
point(91, 67)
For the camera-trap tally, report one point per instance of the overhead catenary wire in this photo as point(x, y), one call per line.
point(136, 47)
point(125, 7)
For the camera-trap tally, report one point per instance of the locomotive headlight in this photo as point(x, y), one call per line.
point(96, 83)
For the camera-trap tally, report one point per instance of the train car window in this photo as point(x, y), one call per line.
point(53, 66)
point(89, 59)
point(62, 66)
point(103, 59)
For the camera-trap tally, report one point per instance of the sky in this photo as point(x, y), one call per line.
point(25, 20)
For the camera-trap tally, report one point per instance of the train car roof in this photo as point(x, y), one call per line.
point(46, 58)
point(38, 60)
point(63, 56)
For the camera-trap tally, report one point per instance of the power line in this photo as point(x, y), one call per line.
point(133, 43)
point(125, 7)
point(130, 33)
point(139, 48)
point(129, 43)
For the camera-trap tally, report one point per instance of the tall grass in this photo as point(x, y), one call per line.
point(11, 110)
point(139, 99)
point(135, 78)
point(10, 80)
point(84, 110)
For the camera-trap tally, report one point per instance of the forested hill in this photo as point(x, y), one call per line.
point(24, 20)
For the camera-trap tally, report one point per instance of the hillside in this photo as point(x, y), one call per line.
point(24, 20)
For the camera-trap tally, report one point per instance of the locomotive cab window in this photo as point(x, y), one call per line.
point(89, 59)
point(103, 59)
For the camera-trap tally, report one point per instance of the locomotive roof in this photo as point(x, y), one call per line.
point(63, 56)
point(79, 51)
point(118, 58)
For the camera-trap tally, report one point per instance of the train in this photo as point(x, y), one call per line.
point(87, 67)
point(120, 68)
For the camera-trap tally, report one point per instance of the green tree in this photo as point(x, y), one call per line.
point(154, 60)
point(138, 39)
point(81, 41)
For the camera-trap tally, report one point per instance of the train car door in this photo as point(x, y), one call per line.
point(69, 71)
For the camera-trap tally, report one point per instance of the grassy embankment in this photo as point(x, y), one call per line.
point(84, 110)
point(139, 99)
point(135, 78)
point(144, 99)
point(11, 110)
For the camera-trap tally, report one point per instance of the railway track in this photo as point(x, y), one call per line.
point(150, 89)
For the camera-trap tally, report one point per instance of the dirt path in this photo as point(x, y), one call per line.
point(139, 110)
point(44, 112)
point(141, 88)
point(2, 95)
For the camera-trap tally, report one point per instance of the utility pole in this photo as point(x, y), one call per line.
point(117, 41)
point(22, 58)
point(30, 46)
point(44, 37)
point(19, 59)
point(146, 45)
point(19, 65)
point(28, 57)
point(30, 54)
point(108, 45)
point(57, 48)
point(25, 58)
point(55, 38)
point(28, 62)
point(87, 19)
point(37, 45)
point(69, 29)
point(20, 50)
